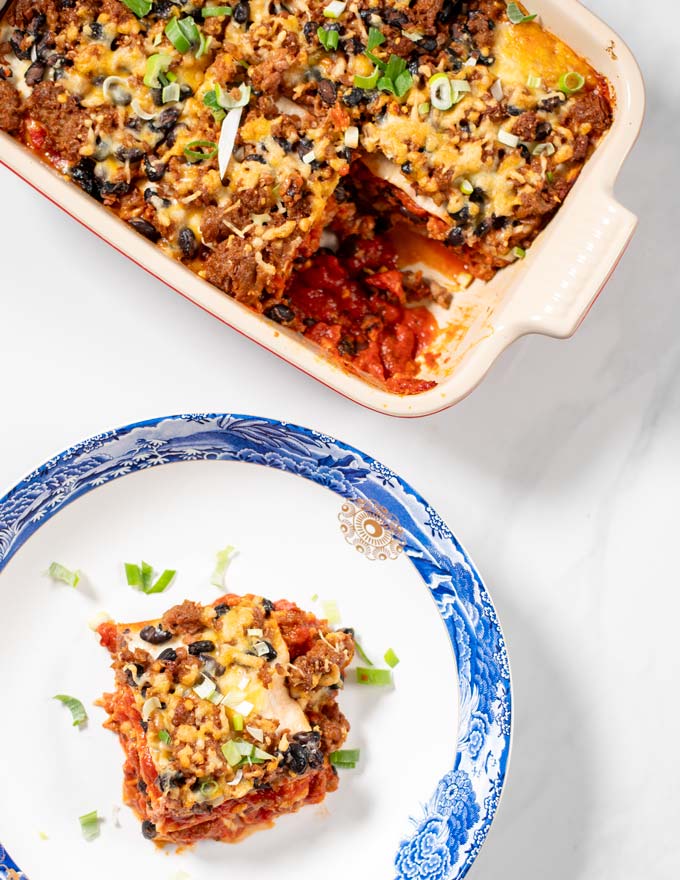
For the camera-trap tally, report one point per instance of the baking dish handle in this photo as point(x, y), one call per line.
point(591, 244)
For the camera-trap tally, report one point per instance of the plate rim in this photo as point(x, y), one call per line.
point(454, 823)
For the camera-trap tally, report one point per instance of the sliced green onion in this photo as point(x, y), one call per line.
point(375, 38)
point(139, 7)
point(368, 82)
point(331, 611)
point(89, 825)
point(209, 788)
point(402, 83)
point(424, 108)
point(466, 187)
point(362, 653)
point(205, 688)
point(550, 177)
point(140, 577)
point(76, 708)
point(571, 82)
point(203, 44)
point(210, 100)
point(441, 93)
point(534, 82)
point(378, 677)
point(507, 138)
point(395, 66)
point(176, 35)
point(225, 100)
point(153, 704)
point(345, 756)
point(516, 15)
point(345, 765)
point(190, 30)
point(334, 9)
point(519, 253)
point(216, 11)
point(261, 755)
point(133, 573)
point(245, 749)
point(460, 85)
point(170, 93)
point(543, 149)
point(164, 737)
point(231, 753)
point(391, 658)
point(155, 66)
point(60, 573)
point(237, 722)
point(377, 61)
point(206, 150)
point(222, 562)
point(329, 39)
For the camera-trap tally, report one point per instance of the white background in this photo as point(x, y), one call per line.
point(560, 474)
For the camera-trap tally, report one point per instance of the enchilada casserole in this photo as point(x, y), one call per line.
point(291, 153)
point(227, 714)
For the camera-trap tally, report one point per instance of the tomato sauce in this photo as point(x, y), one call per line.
point(354, 305)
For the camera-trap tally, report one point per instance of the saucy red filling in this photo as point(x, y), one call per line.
point(354, 305)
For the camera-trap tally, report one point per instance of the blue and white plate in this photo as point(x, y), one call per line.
point(310, 517)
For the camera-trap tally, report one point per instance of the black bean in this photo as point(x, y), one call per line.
point(552, 103)
point(354, 46)
point(285, 145)
point(499, 222)
point(462, 216)
point(347, 629)
point(44, 49)
point(543, 130)
point(108, 188)
point(144, 725)
point(427, 44)
point(271, 653)
point(96, 30)
point(310, 29)
point(511, 110)
point(212, 667)
point(280, 313)
point(341, 194)
point(464, 125)
point(486, 60)
point(157, 97)
point(255, 157)
point(524, 150)
point(130, 154)
point(477, 195)
point(84, 175)
point(304, 737)
point(37, 25)
point(483, 228)
point(261, 786)
point(166, 120)
point(353, 97)
point(144, 690)
point(185, 92)
point(295, 758)
point(164, 8)
point(152, 634)
point(393, 18)
point(413, 66)
point(268, 606)
point(303, 146)
point(148, 829)
point(187, 242)
point(35, 73)
point(168, 779)
point(221, 609)
point(407, 168)
point(203, 646)
point(241, 12)
point(169, 655)
point(154, 173)
point(328, 92)
point(23, 54)
point(455, 238)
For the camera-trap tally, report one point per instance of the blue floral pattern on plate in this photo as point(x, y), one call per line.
point(450, 828)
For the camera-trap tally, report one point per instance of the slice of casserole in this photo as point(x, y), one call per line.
point(227, 714)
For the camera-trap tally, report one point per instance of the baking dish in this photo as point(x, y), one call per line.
point(549, 292)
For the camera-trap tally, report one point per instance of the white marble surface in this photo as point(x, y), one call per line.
point(561, 474)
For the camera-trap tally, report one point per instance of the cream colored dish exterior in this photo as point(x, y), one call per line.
point(550, 292)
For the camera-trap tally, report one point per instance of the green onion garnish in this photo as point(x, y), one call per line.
point(60, 573)
point(402, 83)
point(140, 577)
point(466, 187)
point(345, 757)
point(424, 108)
point(210, 100)
point(76, 708)
point(164, 737)
point(226, 101)
point(519, 253)
point(441, 93)
point(391, 658)
point(224, 557)
point(375, 39)
point(550, 177)
point(571, 82)
point(206, 150)
point(334, 9)
point(362, 653)
point(170, 93)
point(156, 65)
point(315, 597)
point(329, 39)
point(237, 722)
point(516, 15)
point(231, 753)
point(331, 611)
point(368, 82)
point(139, 7)
point(89, 824)
point(216, 11)
point(379, 677)
point(209, 788)
point(534, 82)
point(175, 33)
